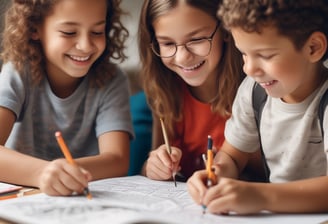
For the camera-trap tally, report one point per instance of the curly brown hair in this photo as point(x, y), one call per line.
point(294, 19)
point(162, 86)
point(19, 48)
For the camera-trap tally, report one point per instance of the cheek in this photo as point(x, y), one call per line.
point(216, 51)
point(167, 62)
point(101, 44)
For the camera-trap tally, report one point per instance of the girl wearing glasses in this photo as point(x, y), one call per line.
point(190, 71)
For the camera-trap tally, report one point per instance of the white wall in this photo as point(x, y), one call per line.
point(131, 22)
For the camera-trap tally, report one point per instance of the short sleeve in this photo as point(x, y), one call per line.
point(241, 130)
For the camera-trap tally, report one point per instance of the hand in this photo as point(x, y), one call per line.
point(61, 178)
point(160, 165)
point(228, 195)
point(196, 185)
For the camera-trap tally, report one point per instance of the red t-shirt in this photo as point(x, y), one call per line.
point(191, 133)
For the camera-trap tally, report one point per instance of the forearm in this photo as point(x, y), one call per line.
point(105, 165)
point(227, 167)
point(305, 196)
point(230, 160)
point(143, 170)
point(20, 169)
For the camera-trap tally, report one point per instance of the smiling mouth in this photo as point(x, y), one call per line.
point(267, 83)
point(193, 67)
point(79, 59)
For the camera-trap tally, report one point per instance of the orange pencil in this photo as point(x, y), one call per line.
point(211, 178)
point(5, 197)
point(69, 157)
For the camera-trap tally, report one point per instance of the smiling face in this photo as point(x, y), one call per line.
point(73, 37)
point(181, 25)
point(273, 61)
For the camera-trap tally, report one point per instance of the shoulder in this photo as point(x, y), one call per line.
point(119, 77)
point(245, 91)
point(115, 87)
point(8, 68)
point(10, 75)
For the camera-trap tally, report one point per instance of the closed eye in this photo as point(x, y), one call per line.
point(267, 57)
point(68, 33)
point(98, 32)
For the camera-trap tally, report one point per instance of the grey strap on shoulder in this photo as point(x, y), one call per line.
point(259, 98)
point(321, 111)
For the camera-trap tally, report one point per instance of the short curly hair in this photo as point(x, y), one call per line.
point(294, 19)
point(19, 48)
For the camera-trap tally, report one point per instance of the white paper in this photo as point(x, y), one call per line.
point(129, 200)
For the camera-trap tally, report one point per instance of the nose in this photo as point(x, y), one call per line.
point(182, 53)
point(251, 66)
point(84, 43)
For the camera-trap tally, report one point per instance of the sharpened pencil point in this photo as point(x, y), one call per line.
point(87, 193)
point(204, 209)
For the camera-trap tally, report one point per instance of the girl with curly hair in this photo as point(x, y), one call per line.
point(59, 75)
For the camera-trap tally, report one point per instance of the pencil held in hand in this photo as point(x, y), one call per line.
point(69, 157)
point(168, 147)
point(211, 178)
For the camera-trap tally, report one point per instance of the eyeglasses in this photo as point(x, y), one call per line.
point(200, 47)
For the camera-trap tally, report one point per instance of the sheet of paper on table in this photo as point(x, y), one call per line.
point(128, 200)
point(8, 188)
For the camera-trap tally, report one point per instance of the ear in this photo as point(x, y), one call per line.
point(35, 34)
point(316, 46)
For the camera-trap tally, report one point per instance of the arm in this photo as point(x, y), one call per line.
point(230, 161)
point(14, 161)
point(301, 196)
point(113, 158)
point(54, 178)
point(304, 196)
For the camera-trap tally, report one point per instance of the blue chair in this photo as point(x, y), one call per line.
point(142, 124)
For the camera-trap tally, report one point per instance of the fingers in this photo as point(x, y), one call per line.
point(196, 186)
point(62, 178)
point(161, 165)
point(231, 195)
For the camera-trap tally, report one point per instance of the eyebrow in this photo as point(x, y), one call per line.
point(188, 34)
point(75, 23)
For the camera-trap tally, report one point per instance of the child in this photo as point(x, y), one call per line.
point(284, 44)
point(191, 71)
point(57, 77)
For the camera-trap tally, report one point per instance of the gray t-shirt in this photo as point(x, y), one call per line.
point(290, 134)
point(81, 117)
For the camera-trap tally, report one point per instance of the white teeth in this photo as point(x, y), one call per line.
point(77, 58)
point(267, 83)
point(194, 67)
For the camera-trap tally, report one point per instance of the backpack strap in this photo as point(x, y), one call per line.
point(259, 98)
point(321, 111)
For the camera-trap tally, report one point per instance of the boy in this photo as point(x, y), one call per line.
point(284, 45)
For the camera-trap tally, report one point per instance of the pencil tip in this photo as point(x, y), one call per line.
point(87, 193)
point(204, 209)
point(58, 133)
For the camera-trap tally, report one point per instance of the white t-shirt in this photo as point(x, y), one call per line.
point(82, 117)
point(290, 134)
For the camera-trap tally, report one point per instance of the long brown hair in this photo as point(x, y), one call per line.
point(19, 48)
point(162, 86)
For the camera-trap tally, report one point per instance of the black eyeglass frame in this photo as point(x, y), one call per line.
point(209, 39)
